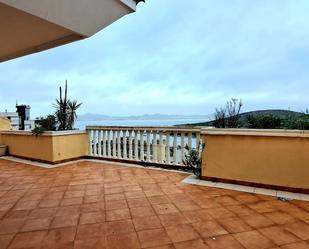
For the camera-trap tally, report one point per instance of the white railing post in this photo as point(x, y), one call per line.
point(160, 147)
point(190, 140)
point(136, 144)
point(118, 144)
point(167, 148)
point(182, 146)
point(109, 154)
point(114, 144)
point(130, 145)
point(124, 143)
point(141, 135)
point(90, 142)
point(154, 146)
point(175, 147)
point(148, 146)
point(95, 152)
point(104, 143)
point(100, 143)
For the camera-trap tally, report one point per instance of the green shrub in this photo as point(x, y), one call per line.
point(264, 122)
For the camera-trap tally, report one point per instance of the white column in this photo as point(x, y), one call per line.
point(182, 144)
point(118, 144)
point(95, 152)
point(160, 147)
point(141, 135)
point(130, 145)
point(175, 147)
point(148, 146)
point(167, 148)
point(104, 144)
point(190, 140)
point(154, 146)
point(124, 143)
point(109, 153)
point(99, 143)
point(136, 145)
point(114, 144)
point(90, 142)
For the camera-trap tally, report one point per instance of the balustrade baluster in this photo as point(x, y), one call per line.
point(175, 147)
point(182, 145)
point(136, 145)
point(114, 144)
point(154, 147)
point(124, 143)
point(104, 143)
point(99, 143)
point(118, 144)
point(90, 133)
point(95, 147)
point(167, 148)
point(130, 145)
point(109, 153)
point(160, 147)
point(148, 146)
point(141, 135)
point(190, 140)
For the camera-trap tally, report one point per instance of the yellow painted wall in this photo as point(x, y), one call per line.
point(5, 124)
point(272, 160)
point(47, 148)
point(29, 146)
point(70, 146)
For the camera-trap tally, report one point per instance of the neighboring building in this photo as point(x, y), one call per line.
point(20, 120)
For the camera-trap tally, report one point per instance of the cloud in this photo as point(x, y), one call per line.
point(175, 57)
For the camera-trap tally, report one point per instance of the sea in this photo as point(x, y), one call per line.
point(150, 122)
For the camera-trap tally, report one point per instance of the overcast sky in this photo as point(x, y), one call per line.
point(175, 57)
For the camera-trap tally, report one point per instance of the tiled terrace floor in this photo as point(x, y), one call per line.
point(96, 205)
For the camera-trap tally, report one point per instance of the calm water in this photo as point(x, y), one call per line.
point(170, 122)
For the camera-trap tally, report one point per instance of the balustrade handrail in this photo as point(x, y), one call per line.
point(153, 144)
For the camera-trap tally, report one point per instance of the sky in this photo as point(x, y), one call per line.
point(175, 57)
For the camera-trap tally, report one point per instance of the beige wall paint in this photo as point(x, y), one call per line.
point(49, 148)
point(264, 159)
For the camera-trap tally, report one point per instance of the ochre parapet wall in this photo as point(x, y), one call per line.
point(267, 158)
point(49, 147)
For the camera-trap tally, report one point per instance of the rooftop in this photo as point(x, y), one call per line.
point(99, 205)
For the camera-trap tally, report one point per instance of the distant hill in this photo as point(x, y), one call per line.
point(157, 116)
point(283, 114)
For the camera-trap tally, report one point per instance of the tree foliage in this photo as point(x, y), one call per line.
point(228, 116)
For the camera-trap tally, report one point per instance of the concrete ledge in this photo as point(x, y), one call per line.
point(192, 179)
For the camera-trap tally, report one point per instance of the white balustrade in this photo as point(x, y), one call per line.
point(159, 145)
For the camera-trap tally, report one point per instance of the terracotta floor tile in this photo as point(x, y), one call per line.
point(182, 233)
point(49, 203)
point(115, 197)
point(94, 243)
point(65, 221)
point(136, 194)
point(28, 240)
point(209, 229)
point(119, 227)
point(165, 208)
point(74, 194)
point(5, 240)
point(90, 218)
point(197, 215)
point(21, 214)
point(278, 235)
point(36, 224)
point(120, 204)
point(26, 205)
point(253, 240)
point(234, 225)
point(257, 221)
point(67, 245)
point(280, 218)
point(186, 205)
point(154, 237)
point(263, 207)
point(142, 211)
point(144, 223)
point(42, 213)
point(224, 242)
point(69, 210)
point(247, 198)
point(138, 202)
point(155, 200)
point(241, 210)
point(300, 229)
point(170, 246)
point(207, 203)
point(118, 214)
point(173, 219)
point(226, 201)
point(116, 190)
point(121, 241)
point(71, 201)
point(91, 231)
point(191, 244)
point(296, 245)
point(92, 198)
point(219, 213)
point(8, 225)
point(60, 235)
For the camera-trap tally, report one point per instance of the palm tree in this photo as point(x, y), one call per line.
point(66, 110)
